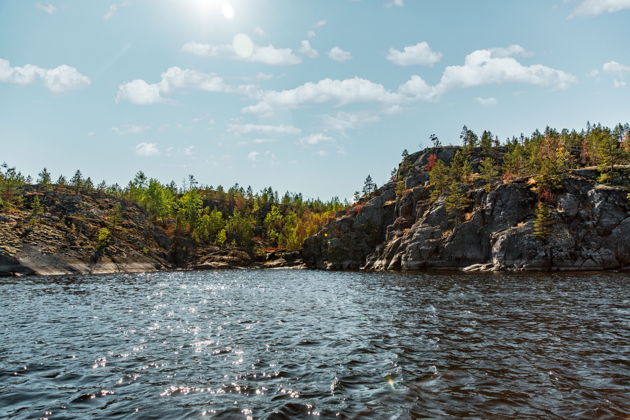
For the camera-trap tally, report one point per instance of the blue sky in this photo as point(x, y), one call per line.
point(306, 96)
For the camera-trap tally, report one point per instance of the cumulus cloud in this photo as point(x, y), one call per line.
point(320, 23)
point(265, 129)
point(420, 54)
point(338, 54)
point(140, 92)
point(46, 7)
point(113, 8)
point(307, 50)
point(485, 67)
point(342, 92)
point(486, 101)
point(147, 149)
point(395, 3)
point(618, 70)
point(253, 156)
point(58, 80)
point(316, 139)
point(613, 67)
point(481, 67)
point(599, 7)
point(260, 54)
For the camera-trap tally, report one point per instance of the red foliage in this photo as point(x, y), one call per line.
point(358, 208)
point(431, 163)
point(546, 195)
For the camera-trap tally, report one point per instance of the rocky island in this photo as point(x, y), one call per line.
point(535, 204)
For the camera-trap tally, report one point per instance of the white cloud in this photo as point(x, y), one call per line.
point(612, 67)
point(113, 8)
point(307, 50)
point(481, 67)
point(189, 150)
point(265, 129)
point(320, 23)
point(343, 92)
point(420, 54)
point(321, 153)
point(338, 54)
point(311, 34)
point(342, 121)
point(147, 149)
point(486, 101)
point(253, 156)
point(417, 88)
point(60, 79)
point(266, 54)
point(619, 71)
point(316, 139)
point(130, 129)
point(485, 67)
point(395, 3)
point(140, 92)
point(598, 7)
point(46, 7)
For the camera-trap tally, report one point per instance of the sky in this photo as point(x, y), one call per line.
point(304, 96)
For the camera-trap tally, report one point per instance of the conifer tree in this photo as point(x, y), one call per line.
point(543, 222)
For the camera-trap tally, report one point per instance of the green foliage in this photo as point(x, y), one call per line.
point(103, 239)
point(456, 200)
point(221, 237)
point(37, 210)
point(543, 222)
point(240, 228)
point(11, 182)
point(488, 172)
point(114, 216)
point(208, 226)
point(188, 210)
point(44, 178)
point(369, 187)
point(439, 179)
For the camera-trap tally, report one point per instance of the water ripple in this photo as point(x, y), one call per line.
point(307, 344)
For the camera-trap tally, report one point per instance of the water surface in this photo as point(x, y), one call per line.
point(310, 344)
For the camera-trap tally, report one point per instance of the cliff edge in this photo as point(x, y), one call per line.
point(405, 225)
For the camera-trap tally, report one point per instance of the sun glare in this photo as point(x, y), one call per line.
point(228, 11)
point(208, 8)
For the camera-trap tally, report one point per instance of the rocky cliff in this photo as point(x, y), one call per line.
point(402, 228)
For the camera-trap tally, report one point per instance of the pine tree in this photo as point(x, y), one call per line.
point(439, 179)
point(456, 200)
point(488, 172)
point(543, 222)
point(44, 178)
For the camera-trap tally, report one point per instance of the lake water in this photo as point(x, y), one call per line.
point(310, 344)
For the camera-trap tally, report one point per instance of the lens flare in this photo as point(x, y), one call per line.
point(243, 45)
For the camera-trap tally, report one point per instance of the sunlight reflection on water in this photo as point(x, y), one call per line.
point(304, 344)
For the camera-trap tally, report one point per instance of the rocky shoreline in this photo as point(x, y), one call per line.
point(64, 240)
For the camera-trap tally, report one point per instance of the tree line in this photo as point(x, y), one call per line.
point(235, 216)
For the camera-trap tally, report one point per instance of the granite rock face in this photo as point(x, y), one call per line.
point(591, 228)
